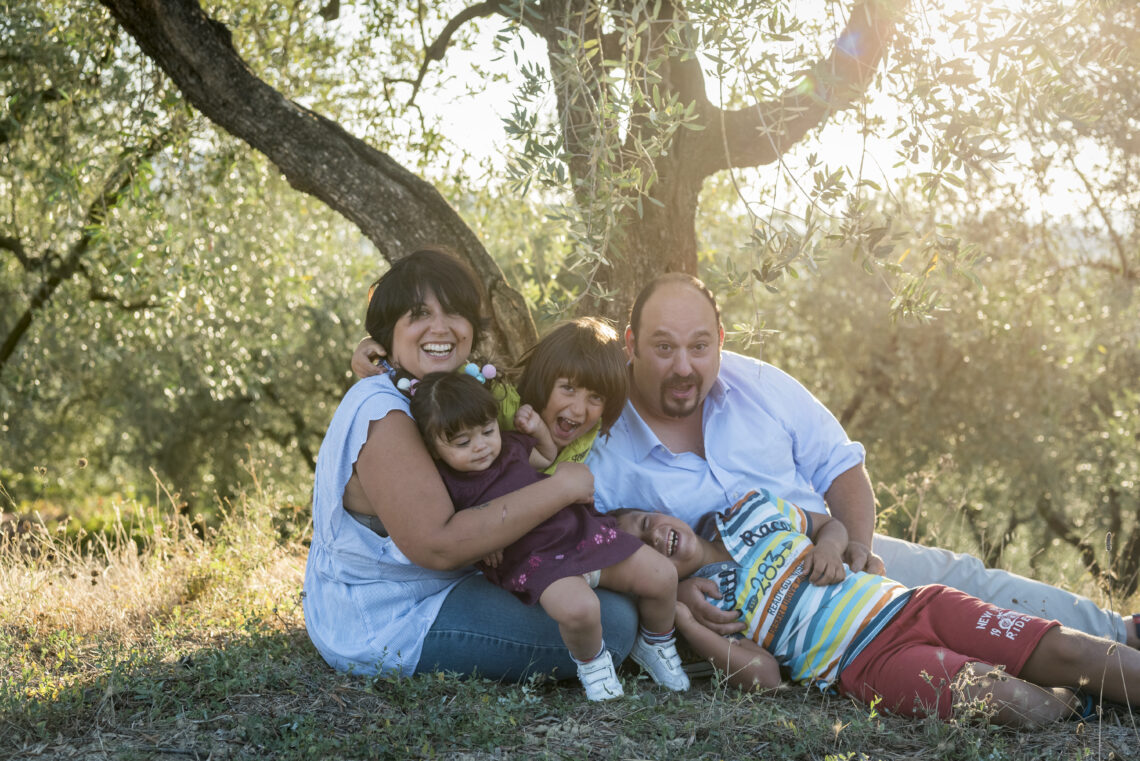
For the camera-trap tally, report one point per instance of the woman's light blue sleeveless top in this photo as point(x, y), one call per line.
point(367, 607)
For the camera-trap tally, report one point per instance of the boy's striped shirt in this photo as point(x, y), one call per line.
point(813, 631)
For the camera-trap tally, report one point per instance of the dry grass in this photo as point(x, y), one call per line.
point(167, 642)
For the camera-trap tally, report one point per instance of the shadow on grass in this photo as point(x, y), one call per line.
point(265, 693)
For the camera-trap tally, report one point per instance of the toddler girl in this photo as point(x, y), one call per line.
point(558, 562)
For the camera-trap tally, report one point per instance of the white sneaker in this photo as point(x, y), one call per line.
point(600, 679)
point(661, 662)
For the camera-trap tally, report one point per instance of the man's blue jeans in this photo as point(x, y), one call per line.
point(486, 631)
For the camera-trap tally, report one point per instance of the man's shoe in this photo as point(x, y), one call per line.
point(600, 679)
point(661, 662)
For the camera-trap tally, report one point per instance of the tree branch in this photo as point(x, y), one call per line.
point(394, 208)
point(761, 133)
point(16, 246)
point(96, 294)
point(302, 432)
point(1117, 243)
point(114, 186)
point(1062, 528)
point(438, 47)
point(22, 107)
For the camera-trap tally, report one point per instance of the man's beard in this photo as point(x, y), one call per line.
point(680, 409)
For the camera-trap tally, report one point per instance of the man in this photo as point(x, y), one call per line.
point(704, 426)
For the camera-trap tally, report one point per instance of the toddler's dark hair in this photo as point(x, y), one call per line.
point(443, 404)
point(586, 351)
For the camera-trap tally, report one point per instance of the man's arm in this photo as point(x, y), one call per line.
point(823, 563)
point(852, 502)
point(366, 358)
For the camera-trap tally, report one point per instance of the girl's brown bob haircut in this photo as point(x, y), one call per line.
point(586, 351)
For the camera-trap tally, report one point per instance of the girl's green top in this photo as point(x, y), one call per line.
point(509, 404)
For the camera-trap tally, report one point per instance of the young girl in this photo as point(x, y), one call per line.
point(929, 650)
point(577, 377)
point(557, 563)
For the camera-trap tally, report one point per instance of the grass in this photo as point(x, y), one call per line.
point(174, 641)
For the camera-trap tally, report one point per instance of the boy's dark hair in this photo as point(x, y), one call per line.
point(443, 404)
point(586, 351)
point(406, 283)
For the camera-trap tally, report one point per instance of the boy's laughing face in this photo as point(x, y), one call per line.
point(669, 535)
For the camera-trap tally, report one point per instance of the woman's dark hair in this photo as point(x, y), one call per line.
point(410, 279)
point(443, 404)
point(586, 351)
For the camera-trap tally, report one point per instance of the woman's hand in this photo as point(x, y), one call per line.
point(366, 358)
point(577, 479)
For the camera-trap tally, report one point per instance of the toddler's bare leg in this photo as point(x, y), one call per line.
point(575, 607)
point(648, 576)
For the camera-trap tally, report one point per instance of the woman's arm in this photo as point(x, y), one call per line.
point(404, 490)
point(746, 664)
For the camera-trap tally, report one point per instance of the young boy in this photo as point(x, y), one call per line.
point(923, 651)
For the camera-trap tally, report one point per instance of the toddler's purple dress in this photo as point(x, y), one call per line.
point(575, 540)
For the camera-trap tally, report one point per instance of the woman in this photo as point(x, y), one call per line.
point(389, 585)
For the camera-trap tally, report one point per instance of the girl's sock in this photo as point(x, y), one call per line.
point(601, 650)
point(656, 638)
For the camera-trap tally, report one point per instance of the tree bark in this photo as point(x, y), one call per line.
point(661, 236)
point(394, 208)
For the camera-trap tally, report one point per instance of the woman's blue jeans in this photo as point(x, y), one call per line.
point(485, 631)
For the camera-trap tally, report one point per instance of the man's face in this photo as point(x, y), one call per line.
point(675, 355)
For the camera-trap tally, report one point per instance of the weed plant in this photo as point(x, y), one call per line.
point(180, 641)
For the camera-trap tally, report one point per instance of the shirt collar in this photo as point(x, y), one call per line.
point(643, 440)
point(720, 387)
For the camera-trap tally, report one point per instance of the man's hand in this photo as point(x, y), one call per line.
point(691, 594)
point(860, 558)
point(366, 358)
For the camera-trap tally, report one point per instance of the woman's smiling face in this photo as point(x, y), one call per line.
point(427, 339)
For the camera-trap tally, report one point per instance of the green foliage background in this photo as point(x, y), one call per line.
point(986, 351)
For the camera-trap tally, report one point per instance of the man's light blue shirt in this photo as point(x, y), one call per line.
point(762, 430)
